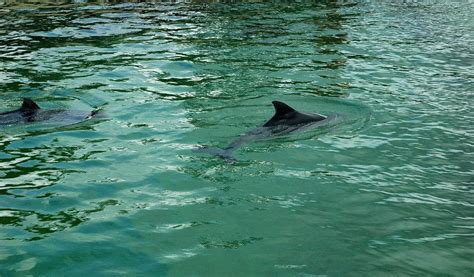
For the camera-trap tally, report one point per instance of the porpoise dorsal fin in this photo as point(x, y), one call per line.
point(286, 115)
point(29, 105)
point(281, 109)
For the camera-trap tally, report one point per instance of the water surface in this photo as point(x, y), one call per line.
point(389, 192)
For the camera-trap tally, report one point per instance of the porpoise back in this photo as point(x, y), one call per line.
point(285, 120)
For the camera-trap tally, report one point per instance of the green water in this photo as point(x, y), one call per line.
point(388, 192)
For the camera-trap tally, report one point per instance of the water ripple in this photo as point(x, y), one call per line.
point(393, 182)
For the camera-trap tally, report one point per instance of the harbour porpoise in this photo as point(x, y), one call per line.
point(30, 112)
point(286, 120)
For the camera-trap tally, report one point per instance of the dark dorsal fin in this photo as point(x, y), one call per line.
point(29, 105)
point(281, 108)
point(286, 115)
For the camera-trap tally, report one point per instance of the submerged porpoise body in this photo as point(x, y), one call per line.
point(286, 120)
point(30, 112)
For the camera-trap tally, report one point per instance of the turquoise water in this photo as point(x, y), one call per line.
point(389, 191)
